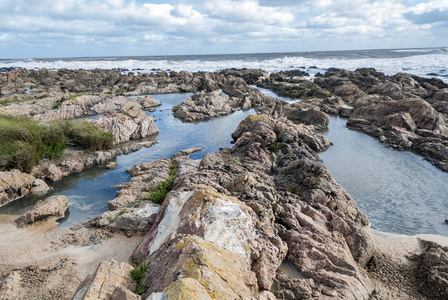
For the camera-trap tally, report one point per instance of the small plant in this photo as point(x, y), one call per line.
point(275, 146)
point(329, 95)
point(230, 163)
point(175, 108)
point(294, 93)
point(9, 101)
point(121, 212)
point(163, 188)
point(291, 188)
point(72, 97)
point(119, 91)
point(283, 103)
point(309, 98)
point(291, 154)
point(138, 275)
point(296, 122)
point(108, 93)
point(56, 104)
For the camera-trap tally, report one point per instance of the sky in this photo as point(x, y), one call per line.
point(79, 28)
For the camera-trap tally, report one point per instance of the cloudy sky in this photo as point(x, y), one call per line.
point(65, 28)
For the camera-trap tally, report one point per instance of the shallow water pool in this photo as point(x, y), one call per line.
point(400, 192)
point(89, 191)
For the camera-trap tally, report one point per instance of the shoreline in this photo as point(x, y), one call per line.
point(302, 208)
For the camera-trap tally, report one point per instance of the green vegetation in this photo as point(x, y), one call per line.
point(8, 101)
point(329, 95)
point(275, 146)
point(294, 93)
point(291, 154)
point(24, 142)
point(291, 188)
point(138, 275)
point(56, 104)
point(163, 188)
point(283, 103)
point(72, 97)
point(119, 91)
point(175, 108)
point(121, 212)
point(309, 98)
point(230, 163)
point(108, 93)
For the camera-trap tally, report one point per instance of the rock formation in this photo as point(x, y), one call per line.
point(15, 184)
point(203, 106)
point(54, 206)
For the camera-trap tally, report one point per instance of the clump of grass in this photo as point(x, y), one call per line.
point(24, 142)
point(163, 188)
point(138, 275)
point(291, 188)
point(329, 95)
point(294, 93)
point(121, 212)
point(8, 101)
point(175, 108)
point(275, 146)
point(119, 91)
point(108, 93)
point(72, 97)
point(56, 104)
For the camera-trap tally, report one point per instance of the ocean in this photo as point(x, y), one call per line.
point(426, 62)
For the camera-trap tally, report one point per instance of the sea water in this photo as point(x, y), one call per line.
point(427, 62)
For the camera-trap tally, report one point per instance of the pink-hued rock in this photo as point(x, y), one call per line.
point(131, 123)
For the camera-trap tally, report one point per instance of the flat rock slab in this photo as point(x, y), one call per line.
point(54, 206)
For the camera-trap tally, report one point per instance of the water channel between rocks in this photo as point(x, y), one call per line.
point(89, 191)
point(400, 192)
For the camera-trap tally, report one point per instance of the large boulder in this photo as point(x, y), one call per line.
point(14, 184)
point(103, 284)
point(54, 206)
point(130, 123)
point(203, 106)
point(307, 114)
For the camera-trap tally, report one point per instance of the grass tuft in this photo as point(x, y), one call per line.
point(56, 104)
point(163, 188)
point(138, 275)
point(24, 142)
point(275, 146)
point(175, 108)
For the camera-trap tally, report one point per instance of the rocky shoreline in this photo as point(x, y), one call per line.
point(230, 220)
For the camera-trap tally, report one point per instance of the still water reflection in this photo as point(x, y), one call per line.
point(89, 191)
point(399, 191)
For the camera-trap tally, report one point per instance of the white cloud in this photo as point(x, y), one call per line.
point(429, 7)
point(128, 27)
point(247, 11)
